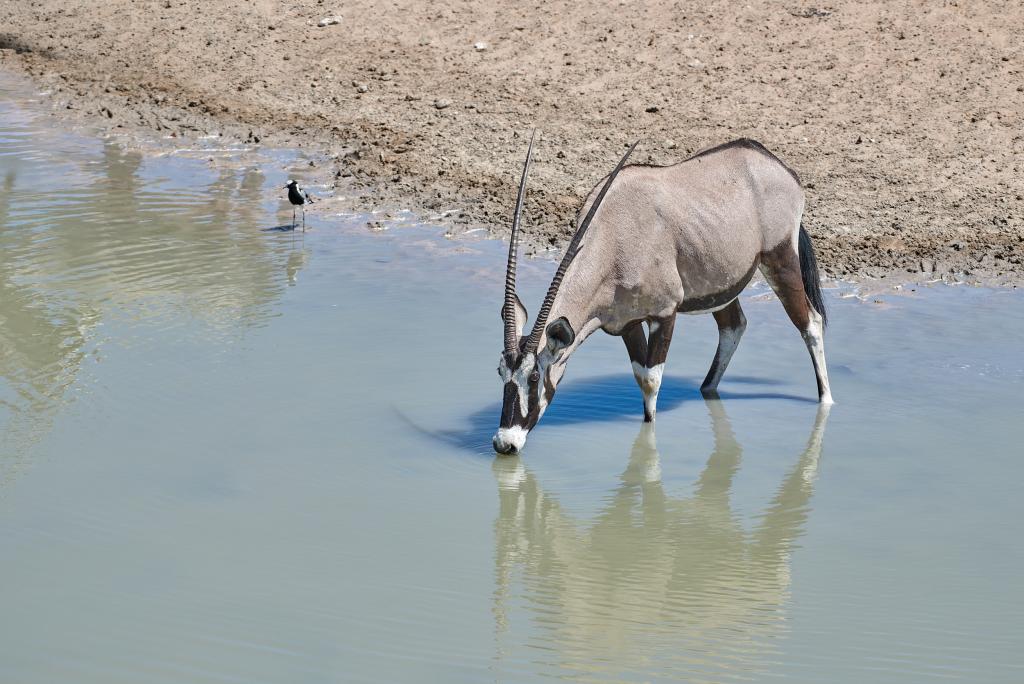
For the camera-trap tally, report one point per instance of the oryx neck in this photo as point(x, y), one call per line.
point(578, 299)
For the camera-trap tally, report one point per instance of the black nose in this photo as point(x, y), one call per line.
point(503, 448)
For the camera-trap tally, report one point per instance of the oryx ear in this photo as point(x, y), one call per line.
point(560, 335)
point(520, 314)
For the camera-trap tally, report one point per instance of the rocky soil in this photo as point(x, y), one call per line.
point(905, 120)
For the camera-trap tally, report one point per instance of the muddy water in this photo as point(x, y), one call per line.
point(238, 454)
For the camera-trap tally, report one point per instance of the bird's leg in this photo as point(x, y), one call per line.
point(303, 218)
point(293, 218)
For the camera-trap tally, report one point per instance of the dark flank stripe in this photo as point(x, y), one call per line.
point(717, 299)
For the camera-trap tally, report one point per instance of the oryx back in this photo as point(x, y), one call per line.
point(690, 235)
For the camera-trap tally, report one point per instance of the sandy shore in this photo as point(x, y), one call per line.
point(905, 121)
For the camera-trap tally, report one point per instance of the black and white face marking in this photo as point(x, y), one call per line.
point(526, 394)
point(529, 381)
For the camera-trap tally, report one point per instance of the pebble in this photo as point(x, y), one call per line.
point(889, 242)
point(329, 21)
point(480, 46)
point(442, 104)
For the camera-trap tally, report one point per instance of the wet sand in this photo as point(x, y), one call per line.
point(903, 121)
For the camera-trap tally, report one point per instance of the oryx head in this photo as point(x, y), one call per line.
point(528, 371)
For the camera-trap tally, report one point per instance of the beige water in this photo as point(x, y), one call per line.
point(232, 454)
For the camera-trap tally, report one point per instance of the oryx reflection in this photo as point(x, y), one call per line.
point(654, 584)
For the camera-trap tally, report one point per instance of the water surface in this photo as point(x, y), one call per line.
point(237, 454)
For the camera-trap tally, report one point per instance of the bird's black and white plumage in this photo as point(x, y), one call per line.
point(298, 198)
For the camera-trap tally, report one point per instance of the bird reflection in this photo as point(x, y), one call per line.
point(653, 583)
point(297, 260)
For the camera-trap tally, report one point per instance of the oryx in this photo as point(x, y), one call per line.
point(660, 240)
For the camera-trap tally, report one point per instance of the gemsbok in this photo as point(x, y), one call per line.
point(662, 240)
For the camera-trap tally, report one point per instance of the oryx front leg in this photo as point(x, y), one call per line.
point(636, 345)
point(649, 373)
point(731, 324)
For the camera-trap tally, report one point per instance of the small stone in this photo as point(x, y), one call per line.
point(362, 88)
point(480, 46)
point(442, 104)
point(652, 109)
point(891, 243)
point(859, 140)
point(695, 64)
point(670, 145)
point(329, 21)
point(810, 12)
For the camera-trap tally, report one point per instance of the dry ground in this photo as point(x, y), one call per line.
point(905, 119)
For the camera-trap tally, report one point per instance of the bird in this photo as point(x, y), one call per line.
point(299, 198)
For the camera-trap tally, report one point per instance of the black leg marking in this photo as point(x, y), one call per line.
point(654, 366)
point(731, 324)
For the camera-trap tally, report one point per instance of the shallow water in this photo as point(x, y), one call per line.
point(233, 454)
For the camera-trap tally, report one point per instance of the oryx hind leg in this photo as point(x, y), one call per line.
point(781, 268)
point(731, 324)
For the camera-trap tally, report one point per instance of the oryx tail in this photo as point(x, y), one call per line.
point(809, 273)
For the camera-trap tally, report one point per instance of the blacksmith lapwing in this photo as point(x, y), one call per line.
point(299, 198)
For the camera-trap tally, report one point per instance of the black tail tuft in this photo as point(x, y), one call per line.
point(809, 272)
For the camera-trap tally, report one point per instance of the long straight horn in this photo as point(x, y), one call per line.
point(570, 254)
point(508, 311)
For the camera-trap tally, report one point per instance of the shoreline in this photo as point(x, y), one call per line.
point(876, 221)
